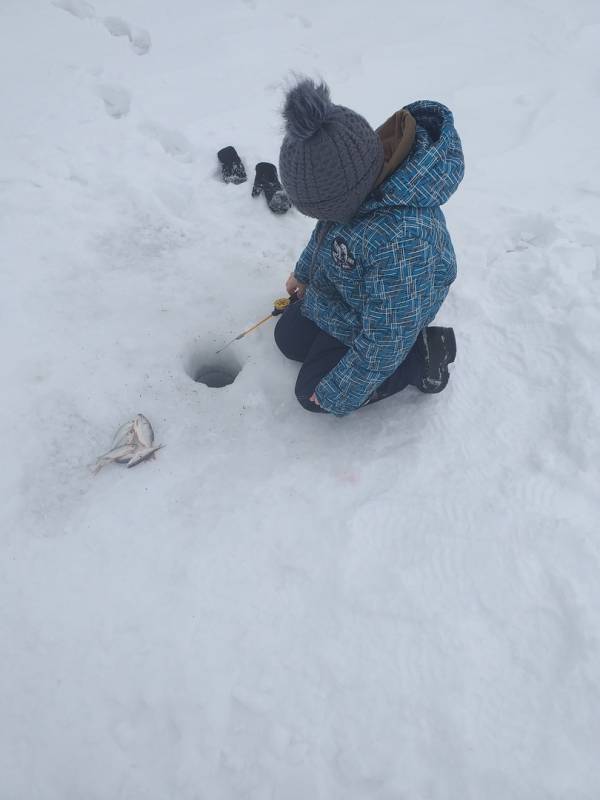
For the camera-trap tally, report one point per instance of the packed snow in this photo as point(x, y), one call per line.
point(403, 604)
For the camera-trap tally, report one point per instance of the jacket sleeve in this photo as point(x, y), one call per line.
point(395, 280)
point(302, 268)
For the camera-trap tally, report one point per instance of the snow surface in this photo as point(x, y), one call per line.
point(401, 604)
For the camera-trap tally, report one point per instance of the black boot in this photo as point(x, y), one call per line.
point(267, 181)
point(232, 168)
point(435, 349)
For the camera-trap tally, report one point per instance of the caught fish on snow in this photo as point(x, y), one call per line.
point(132, 444)
point(142, 455)
point(143, 430)
point(125, 435)
point(121, 455)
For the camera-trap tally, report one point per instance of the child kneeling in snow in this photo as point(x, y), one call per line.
point(379, 263)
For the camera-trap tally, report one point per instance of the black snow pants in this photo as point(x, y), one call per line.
point(301, 340)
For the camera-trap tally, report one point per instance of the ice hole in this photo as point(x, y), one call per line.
point(212, 369)
point(215, 376)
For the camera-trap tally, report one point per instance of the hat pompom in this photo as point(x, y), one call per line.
point(307, 108)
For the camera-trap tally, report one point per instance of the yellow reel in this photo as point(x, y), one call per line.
point(280, 305)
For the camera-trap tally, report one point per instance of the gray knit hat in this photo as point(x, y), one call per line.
point(330, 157)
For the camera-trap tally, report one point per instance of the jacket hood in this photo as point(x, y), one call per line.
point(433, 169)
point(397, 135)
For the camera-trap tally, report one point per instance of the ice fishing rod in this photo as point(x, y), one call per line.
point(279, 306)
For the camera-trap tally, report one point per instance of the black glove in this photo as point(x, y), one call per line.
point(232, 168)
point(267, 181)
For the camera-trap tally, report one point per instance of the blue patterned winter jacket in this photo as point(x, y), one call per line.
point(375, 282)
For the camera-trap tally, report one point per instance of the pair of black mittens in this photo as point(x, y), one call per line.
point(266, 179)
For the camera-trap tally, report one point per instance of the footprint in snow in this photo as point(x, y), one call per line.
point(139, 38)
point(79, 8)
point(117, 101)
point(300, 20)
point(531, 230)
point(172, 142)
